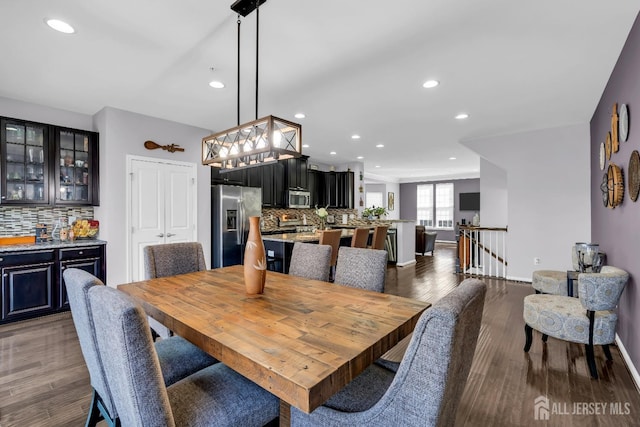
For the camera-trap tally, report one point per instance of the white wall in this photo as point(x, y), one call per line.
point(548, 194)
point(385, 188)
point(493, 195)
point(123, 133)
point(40, 113)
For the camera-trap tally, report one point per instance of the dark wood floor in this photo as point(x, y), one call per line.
point(44, 382)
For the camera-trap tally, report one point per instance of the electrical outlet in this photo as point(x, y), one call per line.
point(536, 261)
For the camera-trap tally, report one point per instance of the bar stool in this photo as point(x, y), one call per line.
point(331, 238)
point(360, 238)
point(379, 236)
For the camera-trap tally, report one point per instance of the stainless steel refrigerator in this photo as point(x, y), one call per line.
point(231, 207)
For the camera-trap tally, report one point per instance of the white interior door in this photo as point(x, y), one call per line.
point(162, 207)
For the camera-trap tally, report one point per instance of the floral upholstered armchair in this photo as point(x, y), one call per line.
point(588, 319)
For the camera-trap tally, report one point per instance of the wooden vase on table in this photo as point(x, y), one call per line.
point(255, 261)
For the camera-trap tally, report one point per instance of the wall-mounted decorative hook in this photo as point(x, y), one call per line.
point(172, 148)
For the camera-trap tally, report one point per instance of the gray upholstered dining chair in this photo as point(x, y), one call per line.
point(588, 319)
point(311, 261)
point(214, 396)
point(170, 259)
point(173, 258)
point(178, 358)
point(427, 387)
point(361, 268)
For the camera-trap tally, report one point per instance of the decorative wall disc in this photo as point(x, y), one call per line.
point(615, 185)
point(623, 123)
point(614, 129)
point(605, 190)
point(634, 175)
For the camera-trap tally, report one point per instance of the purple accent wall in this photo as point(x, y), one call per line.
point(408, 203)
point(618, 230)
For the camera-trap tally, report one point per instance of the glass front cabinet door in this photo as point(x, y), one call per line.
point(47, 165)
point(25, 172)
point(76, 167)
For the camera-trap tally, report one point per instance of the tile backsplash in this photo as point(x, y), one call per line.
point(21, 221)
point(269, 217)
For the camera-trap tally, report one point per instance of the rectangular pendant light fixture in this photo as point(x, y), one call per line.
point(253, 144)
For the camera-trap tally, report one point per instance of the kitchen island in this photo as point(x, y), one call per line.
point(280, 246)
point(400, 243)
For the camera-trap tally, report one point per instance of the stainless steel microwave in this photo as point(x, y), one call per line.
point(298, 199)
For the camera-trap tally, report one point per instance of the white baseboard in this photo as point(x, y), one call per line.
point(630, 365)
point(404, 264)
point(519, 279)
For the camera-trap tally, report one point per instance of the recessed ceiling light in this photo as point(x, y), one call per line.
point(452, 158)
point(377, 166)
point(462, 116)
point(430, 84)
point(59, 25)
point(305, 145)
point(360, 157)
point(380, 146)
point(299, 115)
point(356, 136)
point(333, 153)
point(216, 84)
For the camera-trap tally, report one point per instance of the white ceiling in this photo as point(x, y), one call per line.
point(352, 66)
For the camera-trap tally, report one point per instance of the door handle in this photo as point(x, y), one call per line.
point(160, 235)
point(170, 234)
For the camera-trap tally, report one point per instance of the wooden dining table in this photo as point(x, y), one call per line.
point(302, 340)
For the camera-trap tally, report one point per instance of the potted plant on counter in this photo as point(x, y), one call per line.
point(374, 212)
point(322, 214)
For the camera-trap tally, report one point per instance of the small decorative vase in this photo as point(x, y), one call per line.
point(255, 262)
point(322, 225)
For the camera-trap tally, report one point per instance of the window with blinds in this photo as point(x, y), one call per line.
point(435, 209)
point(425, 205)
point(444, 205)
point(373, 198)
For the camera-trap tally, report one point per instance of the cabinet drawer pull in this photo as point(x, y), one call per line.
point(80, 252)
point(160, 235)
point(170, 234)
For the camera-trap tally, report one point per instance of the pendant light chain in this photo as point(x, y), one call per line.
point(238, 94)
point(257, 49)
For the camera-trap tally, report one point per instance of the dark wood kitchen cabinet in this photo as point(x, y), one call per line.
point(76, 159)
point(87, 258)
point(32, 282)
point(296, 170)
point(333, 189)
point(44, 164)
point(330, 185)
point(270, 178)
point(344, 184)
point(232, 177)
point(315, 186)
point(273, 185)
point(28, 284)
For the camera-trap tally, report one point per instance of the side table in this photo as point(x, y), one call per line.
point(572, 276)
